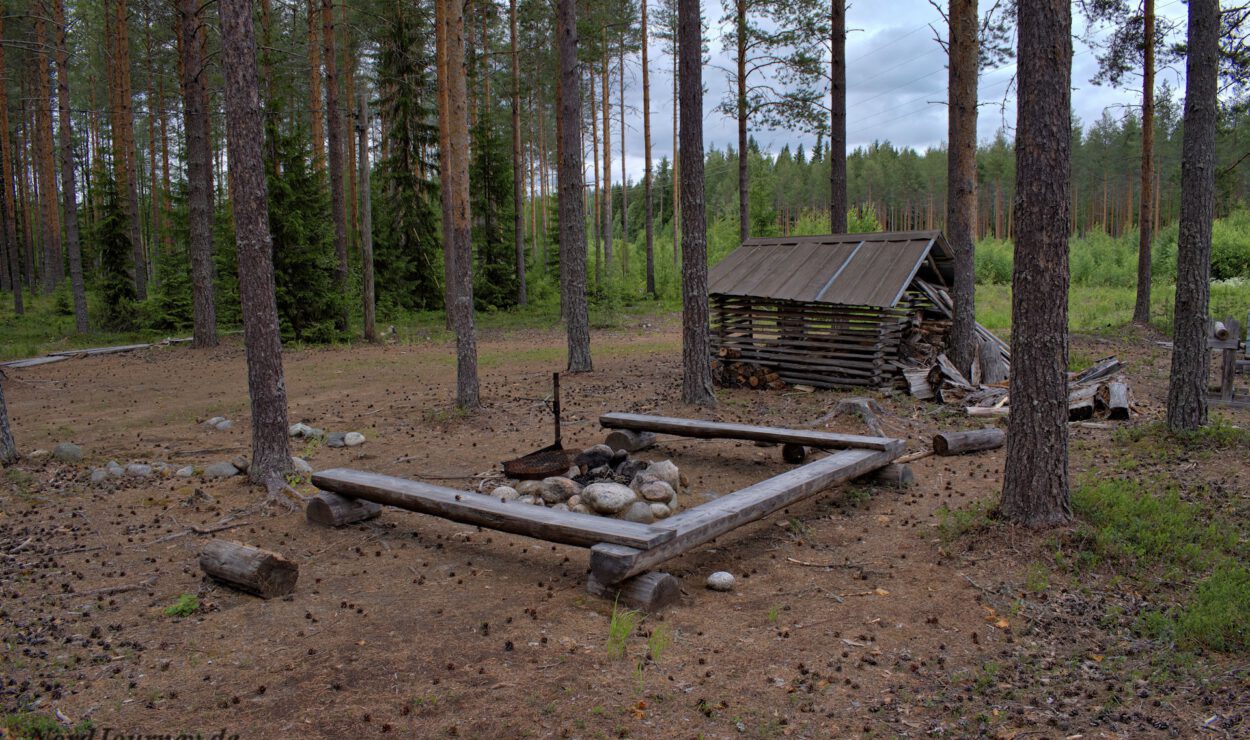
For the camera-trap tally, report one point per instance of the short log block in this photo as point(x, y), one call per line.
point(332, 510)
point(651, 591)
point(793, 453)
point(630, 440)
point(251, 569)
point(955, 443)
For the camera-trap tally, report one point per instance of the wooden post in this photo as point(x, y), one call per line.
point(261, 572)
point(333, 510)
point(955, 443)
point(650, 592)
point(1117, 401)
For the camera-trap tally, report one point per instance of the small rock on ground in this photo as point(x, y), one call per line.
point(639, 511)
point(241, 462)
point(138, 470)
point(220, 470)
point(302, 466)
point(115, 469)
point(720, 581)
point(505, 493)
point(99, 475)
point(224, 426)
point(336, 439)
point(185, 472)
point(608, 498)
point(67, 452)
point(353, 439)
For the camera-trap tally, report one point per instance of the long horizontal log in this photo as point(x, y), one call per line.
point(724, 430)
point(703, 523)
point(568, 527)
point(955, 443)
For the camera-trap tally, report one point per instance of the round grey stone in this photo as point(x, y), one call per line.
point(115, 469)
point(608, 498)
point(658, 492)
point(224, 426)
point(185, 472)
point(559, 490)
point(581, 509)
point(220, 470)
point(639, 511)
point(336, 439)
point(661, 511)
point(301, 466)
point(573, 501)
point(559, 507)
point(528, 500)
point(529, 487)
point(721, 581)
point(138, 470)
point(214, 421)
point(297, 429)
point(67, 452)
point(666, 471)
point(99, 475)
point(353, 439)
point(241, 462)
point(505, 493)
point(641, 479)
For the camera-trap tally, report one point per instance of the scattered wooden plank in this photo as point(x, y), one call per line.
point(976, 440)
point(988, 411)
point(722, 430)
point(99, 350)
point(332, 510)
point(261, 572)
point(36, 361)
point(650, 592)
point(612, 563)
point(570, 528)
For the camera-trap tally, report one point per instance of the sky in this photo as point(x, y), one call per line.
point(896, 86)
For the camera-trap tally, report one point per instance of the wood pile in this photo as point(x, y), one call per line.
point(1097, 391)
point(728, 371)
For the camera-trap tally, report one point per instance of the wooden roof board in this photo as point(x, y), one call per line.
point(850, 269)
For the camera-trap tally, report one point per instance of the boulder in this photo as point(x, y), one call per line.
point(720, 581)
point(658, 492)
point(505, 493)
point(67, 452)
point(224, 425)
point(241, 462)
point(214, 421)
point(336, 439)
point(666, 471)
point(661, 511)
point(138, 470)
point(353, 439)
point(639, 511)
point(529, 487)
point(594, 457)
point(220, 470)
point(298, 429)
point(558, 490)
point(631, 468)
point(642, 478)
point(608, 498)
point(115, 469)
point(99, 475)
point(574, 501)
point(301, 466)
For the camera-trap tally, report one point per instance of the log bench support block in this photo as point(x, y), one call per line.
point(251, 569)
point(955, 443)
point(333, 510)
point(895, 474)
point(793, 453)
point(630, 440)
point(649, 592)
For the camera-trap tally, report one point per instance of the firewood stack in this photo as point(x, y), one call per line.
point(728, 371)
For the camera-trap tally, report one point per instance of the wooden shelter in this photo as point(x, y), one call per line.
point(831, 310)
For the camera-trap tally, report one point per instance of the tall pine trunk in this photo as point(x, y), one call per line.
point(458, 242)
point(1035, 474)
point(444, 152)
point(245, 137)
point(45, 170)
point(648, 211)
point(69, 192)
point(518, 212)
point(961, 215)
point(837, 117)
point(317, 131)
point(625, 248)
point(1187, 387)
point(1141, 309)
point(8, 450)
point(606, 195)
point(199, 173)
point(8, 198)
point(572, 217)
point(366, 222)
point(334, 126)
point(744, 185)
point(696, 360)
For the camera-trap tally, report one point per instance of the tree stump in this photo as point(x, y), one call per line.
point(865, 408)
point(251, 569)
point(955, 443)
point(651, 591)
point(333, 510)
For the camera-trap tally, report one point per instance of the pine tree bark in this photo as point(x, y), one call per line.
point(444, 152)
point(744, 185)
point(518, 212)
point(317, 132)
point(334, 126)
point(69, 191)
point(1035, 475)
point(1187, 387)
point(124, 140)
point(8, 450)
point(8, 198)
point(696, 358)
point(245, 137)
point(366, 222)
point(1141, 309)
point(625, 245)
point(199, 173)
point(837, 117)
point(45, 171)
point(572, 216)
point(606, 195)
point(458, 241)
point(961, 215)
point(648, 211)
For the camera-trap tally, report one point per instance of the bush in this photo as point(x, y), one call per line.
point(1230, 247)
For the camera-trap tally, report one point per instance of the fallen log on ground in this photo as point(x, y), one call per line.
point(332, 510)
point(251, 569)
point(976, 440)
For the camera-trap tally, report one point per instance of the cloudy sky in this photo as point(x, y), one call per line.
point(896, 86)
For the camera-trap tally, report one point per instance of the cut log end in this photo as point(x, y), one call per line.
point(650, 592)
point(332, 510)
point(793, 453)
point(630, 440)
point(956, 443)
point(251, 569)
point(899, 475)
